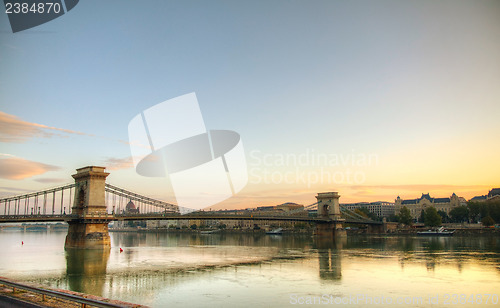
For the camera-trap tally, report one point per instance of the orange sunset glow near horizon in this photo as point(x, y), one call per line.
point(373, 100)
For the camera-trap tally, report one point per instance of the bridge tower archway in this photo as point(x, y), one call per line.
point(88, 229)
point(328, 205)
point(329, 208)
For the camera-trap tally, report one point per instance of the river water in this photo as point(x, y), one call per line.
point(242, 270)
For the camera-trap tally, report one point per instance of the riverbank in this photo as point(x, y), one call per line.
point(207, 231)
point(43, 296)
point(459, 230)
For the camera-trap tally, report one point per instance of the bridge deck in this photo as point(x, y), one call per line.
point(116, 217)
point(36, 206)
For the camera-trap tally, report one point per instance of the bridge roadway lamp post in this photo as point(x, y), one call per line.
point(89, 228)
point(329, 209)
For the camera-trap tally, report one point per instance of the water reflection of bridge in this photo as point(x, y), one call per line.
point(92, 203)
point(87, 271)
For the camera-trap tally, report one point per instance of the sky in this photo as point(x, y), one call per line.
point(373, 99)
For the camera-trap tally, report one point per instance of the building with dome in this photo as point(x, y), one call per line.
point(130, 208)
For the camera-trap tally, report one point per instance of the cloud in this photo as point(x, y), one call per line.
point(5, 188)
point(118, 163)
point(423, 188)
point(51, 180)
point(15, 130)
point(12, 191)
point(14, 168)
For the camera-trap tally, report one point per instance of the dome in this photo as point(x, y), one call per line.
point(130, 206)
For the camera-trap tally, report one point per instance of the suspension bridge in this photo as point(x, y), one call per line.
point(89, 204)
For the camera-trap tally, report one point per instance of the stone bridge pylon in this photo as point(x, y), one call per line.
point(329, 208)
point(89, 229)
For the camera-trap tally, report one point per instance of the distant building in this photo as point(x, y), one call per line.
point(279, 209)
point(379, 208)
point(417, 205)
point(463, 202)
point(493, 194)
point(131, 209)
point(479, 198)
point(289, 206)
point(265, 208)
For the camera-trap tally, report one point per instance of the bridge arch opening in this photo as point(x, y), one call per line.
point(326, 209)
point(81, 198)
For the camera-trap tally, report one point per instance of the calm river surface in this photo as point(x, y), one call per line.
point(240, 270)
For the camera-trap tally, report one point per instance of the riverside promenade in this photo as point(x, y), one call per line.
point(15, 294)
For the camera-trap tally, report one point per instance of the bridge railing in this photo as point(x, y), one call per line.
point(56, 294)
point(353, 216)
point(117, 199)
point(52, 201)
point(59, 201)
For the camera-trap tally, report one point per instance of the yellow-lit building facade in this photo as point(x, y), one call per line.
point(417, 205)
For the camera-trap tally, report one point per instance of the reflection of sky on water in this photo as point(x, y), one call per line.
point(225, 270)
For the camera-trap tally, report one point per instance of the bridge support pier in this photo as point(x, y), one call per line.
point(330, 230)
point(88, 235)
point(88, 230)
point(376, 229)
point(329, 207)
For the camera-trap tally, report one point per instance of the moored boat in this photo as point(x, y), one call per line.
point(275, 231)
point(209, 232)
point(439, 232)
